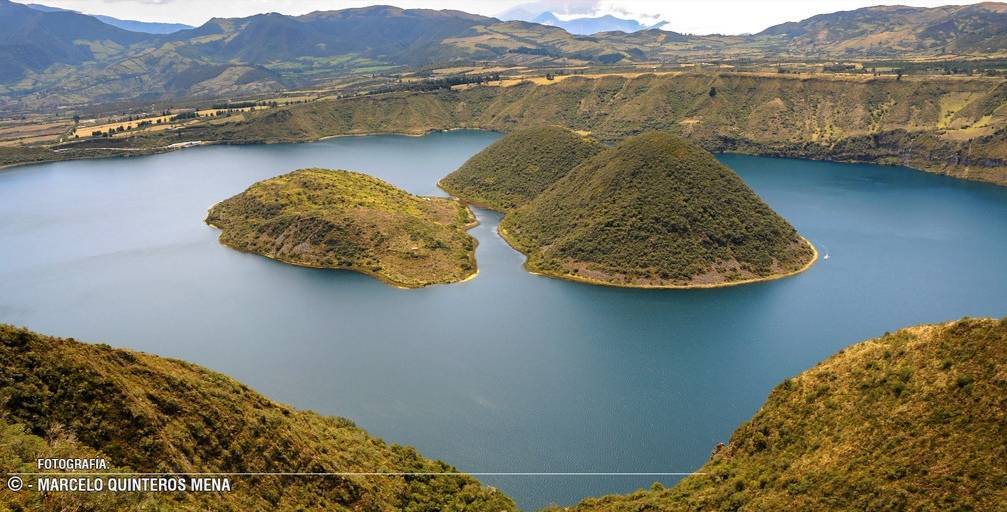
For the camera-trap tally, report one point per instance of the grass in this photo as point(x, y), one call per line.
point(655, 211)
point(513, 170)
point(913, 420)
point(150, 414)
point(346, 220)
point(818, 116)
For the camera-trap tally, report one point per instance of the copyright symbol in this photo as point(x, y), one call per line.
point(14, 483)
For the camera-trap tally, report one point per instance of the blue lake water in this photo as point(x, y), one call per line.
point(508, 372)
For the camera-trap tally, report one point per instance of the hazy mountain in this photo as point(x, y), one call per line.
point(71, 58)
point(593, 25)
point(34, 40)
point(131, 25)
point(144, 26)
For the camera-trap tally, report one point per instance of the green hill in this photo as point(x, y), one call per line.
point(655, 211)
point(342, 219)
point(515, 169)
point(144, 413)
point(914, 420)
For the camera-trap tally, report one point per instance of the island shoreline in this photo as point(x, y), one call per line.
point(390, 282)
point(583, 280)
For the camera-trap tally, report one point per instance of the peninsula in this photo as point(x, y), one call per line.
point(347, 220)
point(126, 412)
point(913, 420)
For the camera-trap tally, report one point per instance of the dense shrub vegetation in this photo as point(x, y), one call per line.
point(518, 167)
point(342, 219)
point(915, 420)
point(655, 210)
point(152, 414)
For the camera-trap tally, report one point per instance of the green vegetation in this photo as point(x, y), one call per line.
point(952, 126)
point(54, 59)
point(913, 420)
point(654, 211)
point(150, 414)
point(342, 219)
point(515, 169)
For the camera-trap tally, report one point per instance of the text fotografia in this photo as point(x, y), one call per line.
point(72, 465)
point(131, 484)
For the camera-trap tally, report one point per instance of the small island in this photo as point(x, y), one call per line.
point(346, 220)
point(656, 211)
point(521, 165)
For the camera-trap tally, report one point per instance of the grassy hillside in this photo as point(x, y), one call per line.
point(145, 413)
point(655, 210)
point(898, 30)
point(341, 219)
point(518, 167)
point(914, 420)
point(952, 126)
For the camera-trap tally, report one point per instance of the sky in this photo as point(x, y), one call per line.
point(686, 16)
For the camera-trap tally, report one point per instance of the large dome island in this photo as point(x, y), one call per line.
point(655, 211)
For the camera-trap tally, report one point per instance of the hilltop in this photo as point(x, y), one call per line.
point(913, 420)
point(144, 413)
point(346, 220)
point(655, 211)
point(513, 170)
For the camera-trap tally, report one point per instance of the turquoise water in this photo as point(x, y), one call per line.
point(508, 372)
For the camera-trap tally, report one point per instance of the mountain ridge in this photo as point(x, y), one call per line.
point(58, 64)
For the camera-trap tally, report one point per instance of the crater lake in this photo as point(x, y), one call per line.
point(508, 372)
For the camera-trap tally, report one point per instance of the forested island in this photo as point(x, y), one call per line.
point(655, 211)
point(347, 220)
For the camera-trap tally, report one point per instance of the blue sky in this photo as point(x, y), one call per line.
point(688, 16)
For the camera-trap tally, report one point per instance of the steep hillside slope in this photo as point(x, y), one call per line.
point(146, 413)
point(951, 126)
point(515, 169)
point(900, 30)
point(913, 420)
point(655, 211)
point(340, 219)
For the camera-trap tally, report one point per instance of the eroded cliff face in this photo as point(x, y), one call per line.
point(950, 125)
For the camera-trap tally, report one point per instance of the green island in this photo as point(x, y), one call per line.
point(913, 420)
point(513, 170)
point(142, 413)
point(655, 211)
point(346, 220)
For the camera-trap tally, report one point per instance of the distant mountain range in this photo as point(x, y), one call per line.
point(593, 25)
point(131, 25)
point(52, 58)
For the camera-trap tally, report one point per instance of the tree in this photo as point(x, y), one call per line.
point(713, 91)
